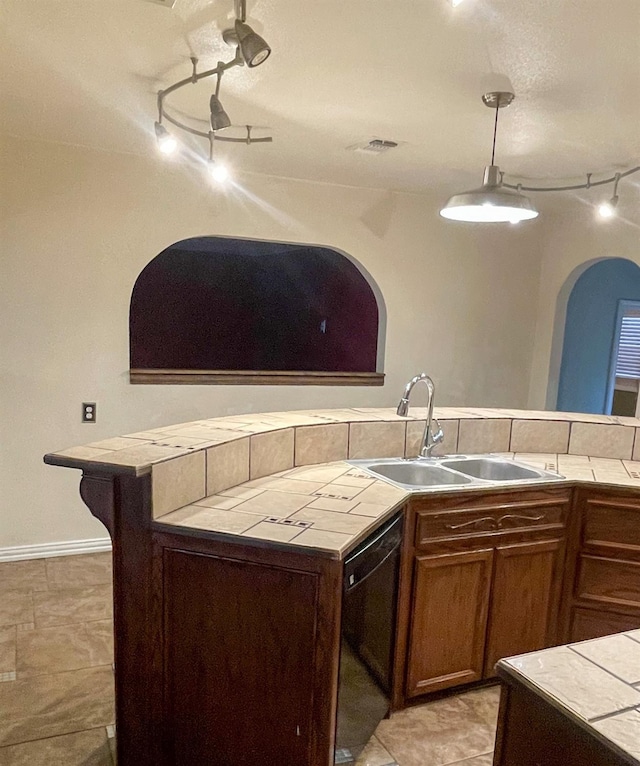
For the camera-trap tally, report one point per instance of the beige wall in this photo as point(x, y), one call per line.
point(79, 225)
point(573, 238)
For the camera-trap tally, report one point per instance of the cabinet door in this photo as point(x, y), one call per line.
point(239, 660)
point(448, 621)
point(525, 598)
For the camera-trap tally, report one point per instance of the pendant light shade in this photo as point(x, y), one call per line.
point(491, 203)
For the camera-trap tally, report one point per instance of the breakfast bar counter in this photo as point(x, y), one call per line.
point(230, 537)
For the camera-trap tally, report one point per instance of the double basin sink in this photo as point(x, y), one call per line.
point(454, 471)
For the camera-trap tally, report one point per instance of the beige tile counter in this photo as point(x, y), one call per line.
point(281, 440)
point(281, 476)
point(595, 682)
point(332, 506)
point(328, 507)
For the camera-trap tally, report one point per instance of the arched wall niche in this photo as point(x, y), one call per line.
point(223, 310)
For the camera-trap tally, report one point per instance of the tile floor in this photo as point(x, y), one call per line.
point(56, 681)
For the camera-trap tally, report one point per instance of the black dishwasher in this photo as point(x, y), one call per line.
point(369, 604)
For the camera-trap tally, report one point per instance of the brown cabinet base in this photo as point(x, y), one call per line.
point(531, 732)
point(482, 581)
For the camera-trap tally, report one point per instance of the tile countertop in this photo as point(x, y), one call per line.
point(280, 477)
point(332, 507)
point(467, 430)
point(596, 683)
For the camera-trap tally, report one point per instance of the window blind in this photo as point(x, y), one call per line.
point(628, 363)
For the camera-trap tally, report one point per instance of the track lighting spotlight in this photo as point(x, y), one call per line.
point(219, 118)
point(166, 142)
point(254, 48)
point(608, 209)
point(218, 171)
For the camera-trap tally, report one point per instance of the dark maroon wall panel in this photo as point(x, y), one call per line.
point(223, 304)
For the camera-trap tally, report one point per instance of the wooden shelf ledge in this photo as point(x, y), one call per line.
point(254, 378)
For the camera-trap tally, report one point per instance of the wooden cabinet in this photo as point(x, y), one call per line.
point(237, 666)
point(248, 652)
point(226, 653)
point(532, 731)
point(525, 598)
point(485, 583)
point(448, 620)
point(603, 595)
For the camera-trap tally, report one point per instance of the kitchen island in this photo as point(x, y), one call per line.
point(575, 705)
point(229, 537)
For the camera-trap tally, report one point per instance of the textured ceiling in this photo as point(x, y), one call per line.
point(86, 72)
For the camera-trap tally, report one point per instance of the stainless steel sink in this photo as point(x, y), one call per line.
point(424, 474)
point(417, 473)
point(493, 469)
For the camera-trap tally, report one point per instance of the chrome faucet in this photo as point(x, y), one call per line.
point(429, 438)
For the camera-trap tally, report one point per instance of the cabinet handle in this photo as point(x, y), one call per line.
point(489, 521)
point(517, 517)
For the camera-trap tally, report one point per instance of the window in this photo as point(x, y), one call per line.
point(628, 362)
point(218, 310)
point(626, 352)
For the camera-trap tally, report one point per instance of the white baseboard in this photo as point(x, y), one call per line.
point(47, 550)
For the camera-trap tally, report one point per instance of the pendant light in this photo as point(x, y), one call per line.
point(492, 202)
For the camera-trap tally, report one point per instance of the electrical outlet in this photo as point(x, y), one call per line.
point(89, 412)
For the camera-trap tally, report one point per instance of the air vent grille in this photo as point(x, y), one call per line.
point(374, 146)
point(166, 3)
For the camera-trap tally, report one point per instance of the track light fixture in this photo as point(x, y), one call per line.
point(251, 50)
point(608, 209)
point(217, 170)
point(166, 142)
point(219, 118)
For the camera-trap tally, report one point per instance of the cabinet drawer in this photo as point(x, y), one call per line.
point(612, 524)
point(609, 581)
point(592, 623)
point(476, 522)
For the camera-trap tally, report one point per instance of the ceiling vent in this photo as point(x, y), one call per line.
point(375, 146)
point(166, 3)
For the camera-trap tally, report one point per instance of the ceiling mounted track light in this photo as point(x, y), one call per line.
point(491, 202)
point(251, 50)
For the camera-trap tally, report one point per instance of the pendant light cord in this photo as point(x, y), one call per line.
point(495, 132)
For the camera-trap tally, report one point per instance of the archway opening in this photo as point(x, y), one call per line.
point(223, 310)
point(590, 331)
